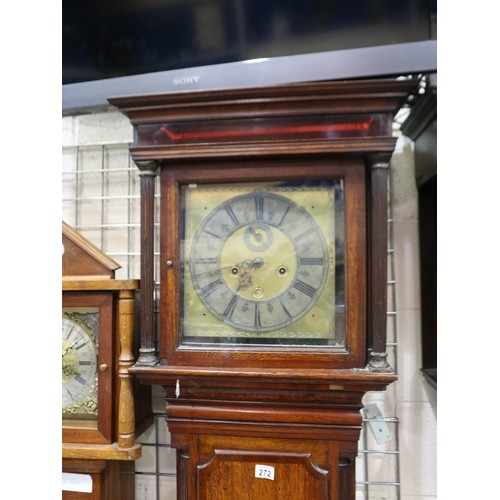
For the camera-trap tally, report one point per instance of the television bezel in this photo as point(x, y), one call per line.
point(400, 59)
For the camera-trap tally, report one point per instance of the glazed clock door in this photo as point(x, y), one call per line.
point(261, 264)
point(87, 366)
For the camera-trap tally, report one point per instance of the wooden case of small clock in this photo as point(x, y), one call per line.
point(98, 430)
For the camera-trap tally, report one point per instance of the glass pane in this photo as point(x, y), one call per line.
point(263, 264)
point(230, 130)
point(80, 344)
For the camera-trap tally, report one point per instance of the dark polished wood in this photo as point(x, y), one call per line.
point(352, 172)
point(272, 103)
point(378, 268)
point(306, 430)
point(147, 173)
point(295, 410)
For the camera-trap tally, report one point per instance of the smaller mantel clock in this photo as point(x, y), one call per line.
point(87, 365)
point(101, 408)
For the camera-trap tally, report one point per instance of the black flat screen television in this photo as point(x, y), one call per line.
point(119, 47)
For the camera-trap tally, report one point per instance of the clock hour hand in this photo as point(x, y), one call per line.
point(244, 271)
point(247, 263)
point(69, 369)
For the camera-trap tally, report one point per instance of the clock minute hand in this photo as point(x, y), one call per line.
point(247, 263)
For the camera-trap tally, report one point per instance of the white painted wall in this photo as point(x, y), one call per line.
point(416, 405)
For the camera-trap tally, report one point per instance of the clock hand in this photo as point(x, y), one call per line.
point(67, 349)
point(247, 263)
point(256, 233)
point(248, 266)
point(68, 369)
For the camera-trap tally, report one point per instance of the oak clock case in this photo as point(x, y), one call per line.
point(272, 278)
point(87, 366)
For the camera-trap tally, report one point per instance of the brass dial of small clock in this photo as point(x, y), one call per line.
point(79, 367)
point(259, 261)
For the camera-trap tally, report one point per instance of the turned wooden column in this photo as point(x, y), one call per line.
point(147, 172)
point(126, 410)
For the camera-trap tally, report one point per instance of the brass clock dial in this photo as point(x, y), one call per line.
point(79, 366)
point(259, 263)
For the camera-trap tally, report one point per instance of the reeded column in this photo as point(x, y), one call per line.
point(378, 268)
point(148, 172)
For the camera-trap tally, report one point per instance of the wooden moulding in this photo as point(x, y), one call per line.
point(101, 452)
point(383, 95)
point(82, 260)
point(333, 380)
point(74, 285)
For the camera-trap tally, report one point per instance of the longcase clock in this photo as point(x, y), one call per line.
point(273, 263)
point(101, 405)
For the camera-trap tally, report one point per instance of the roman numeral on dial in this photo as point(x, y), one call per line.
point(208, 289)
point(259, 208)
point(305, 288)
point(257, 322)
point(232, 215)
point(311, 261)
point(305, 233)
point(230, 307)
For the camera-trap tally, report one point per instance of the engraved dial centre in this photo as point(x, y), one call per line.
point(255, 274)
